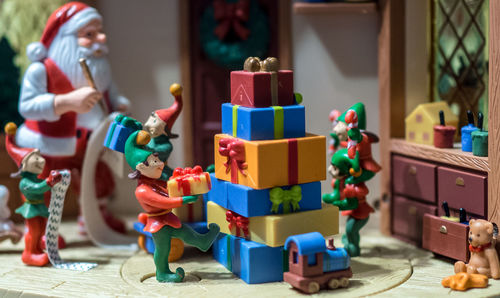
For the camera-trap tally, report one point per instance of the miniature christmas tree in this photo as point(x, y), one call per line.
point(9, 84)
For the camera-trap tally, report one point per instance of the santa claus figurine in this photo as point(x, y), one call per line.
point(31, 164)
point(59, 107)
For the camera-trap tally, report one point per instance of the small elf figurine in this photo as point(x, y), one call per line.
point(351, 167)
point(334, 143)
point(360, 141)
point(31, 164)
point(341, 127)
point(154, 199)
point(159, 125)
point(349, 194)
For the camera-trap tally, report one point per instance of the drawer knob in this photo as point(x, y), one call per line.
point(443, 230)
point(412, 210)
point(412, 170)
point(460, 181)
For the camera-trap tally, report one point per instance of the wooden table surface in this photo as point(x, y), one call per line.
point(387, 268)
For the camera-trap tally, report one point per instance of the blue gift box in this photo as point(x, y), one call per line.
point(263, 123)
point(217, 193)
point(251, 261)
point(250, 202)
point(117, 136)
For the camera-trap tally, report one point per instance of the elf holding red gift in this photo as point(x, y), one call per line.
point(157, 204)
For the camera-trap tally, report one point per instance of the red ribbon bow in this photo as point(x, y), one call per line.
point(234, 150)
point(479, 248)
point(238, 221)
point(178, 172)
point(182, 176)
point(231, 15)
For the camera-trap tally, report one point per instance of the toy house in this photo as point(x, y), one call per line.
point(419, 124)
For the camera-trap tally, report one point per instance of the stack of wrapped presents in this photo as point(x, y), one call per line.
point(266, 186)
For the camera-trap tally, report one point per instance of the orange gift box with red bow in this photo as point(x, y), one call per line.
point(267, 164)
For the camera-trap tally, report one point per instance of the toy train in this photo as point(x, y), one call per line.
point(313, 265)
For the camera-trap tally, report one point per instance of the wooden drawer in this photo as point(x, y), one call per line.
point(446, 238)
point(407, 218)
point(463, 190)
point(413, 178)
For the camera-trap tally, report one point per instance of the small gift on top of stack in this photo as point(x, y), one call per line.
point(266, 186)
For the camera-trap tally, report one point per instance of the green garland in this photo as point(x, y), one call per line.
point(232, 54)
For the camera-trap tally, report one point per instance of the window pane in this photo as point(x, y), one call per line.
point(460, 55)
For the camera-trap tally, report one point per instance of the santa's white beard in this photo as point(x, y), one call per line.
point(66, 52)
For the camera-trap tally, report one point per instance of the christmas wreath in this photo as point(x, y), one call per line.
point(232, 30)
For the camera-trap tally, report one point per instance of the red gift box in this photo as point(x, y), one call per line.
point(257, 89)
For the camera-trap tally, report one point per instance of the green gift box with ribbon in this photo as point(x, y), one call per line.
point(269, 123)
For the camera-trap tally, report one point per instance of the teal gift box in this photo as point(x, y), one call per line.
point(253, 262)
point(263, 123)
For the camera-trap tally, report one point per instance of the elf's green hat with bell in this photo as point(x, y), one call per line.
point(134, 148)
point(359, 108)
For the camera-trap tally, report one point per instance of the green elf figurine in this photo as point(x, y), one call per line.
point(349, 194)
point(350, 168)
point(158, 219)
point(159, 125)
point(341, 127)
point(31, 164)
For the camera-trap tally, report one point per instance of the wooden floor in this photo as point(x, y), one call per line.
point(387, 268)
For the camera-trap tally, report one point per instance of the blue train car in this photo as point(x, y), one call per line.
point(313, 265)
point(336, 259)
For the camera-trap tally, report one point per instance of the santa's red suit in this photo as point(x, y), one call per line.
point(62, 139)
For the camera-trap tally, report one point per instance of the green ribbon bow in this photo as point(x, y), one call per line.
point(291, 197)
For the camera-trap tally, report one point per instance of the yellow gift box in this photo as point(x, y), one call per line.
point(191, 212)
point(270, 163)
point(188, 182)
point(273, 230)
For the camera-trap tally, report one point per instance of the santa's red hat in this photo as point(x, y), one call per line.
point(67, 19)
point(17, 154)
point(170, 115)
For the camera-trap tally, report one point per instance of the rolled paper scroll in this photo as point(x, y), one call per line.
point(58, 193)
